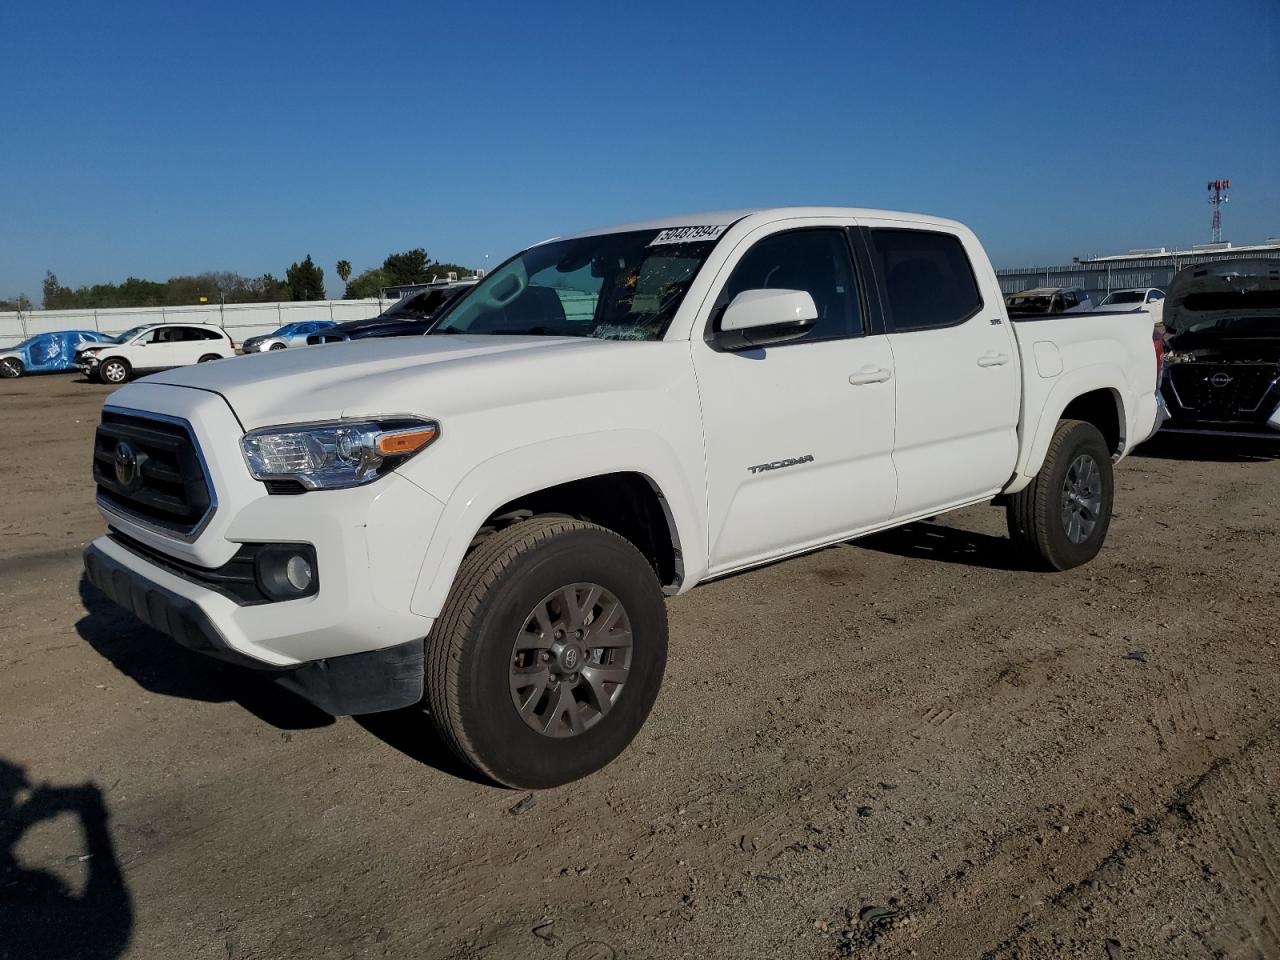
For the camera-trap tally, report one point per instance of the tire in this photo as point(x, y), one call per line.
point(114, 371)
point(1060, 519)
point(483, 644)
point(10, 368)
point(277, 346)
point(209, 356)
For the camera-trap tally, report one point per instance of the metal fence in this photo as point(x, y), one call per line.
point(241, 320)
point(1101, 277)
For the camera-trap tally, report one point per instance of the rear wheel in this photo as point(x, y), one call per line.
point(10, 368)
point(207, 357)
point(114, 370)
point(1060, 519)
point(549, 652)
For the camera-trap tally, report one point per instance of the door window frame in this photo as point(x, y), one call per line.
point(882, 282)
point(860, 292)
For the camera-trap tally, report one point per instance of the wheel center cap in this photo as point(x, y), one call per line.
point(570, 658)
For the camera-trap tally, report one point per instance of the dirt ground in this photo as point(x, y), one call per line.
point(902, 747)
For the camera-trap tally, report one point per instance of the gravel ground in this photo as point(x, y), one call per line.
point(906, 746)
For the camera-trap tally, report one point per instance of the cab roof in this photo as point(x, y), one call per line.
point(760, 215)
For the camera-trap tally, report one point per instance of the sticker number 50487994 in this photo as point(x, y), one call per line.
point(688, 234)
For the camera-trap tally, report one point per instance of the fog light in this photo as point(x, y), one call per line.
point(298, 572)
point(286, 571)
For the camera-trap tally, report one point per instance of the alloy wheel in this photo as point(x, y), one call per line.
point(1081, 498)
point(570, 660)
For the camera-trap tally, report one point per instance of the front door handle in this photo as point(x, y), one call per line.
point(993, 359)
point(870, 374)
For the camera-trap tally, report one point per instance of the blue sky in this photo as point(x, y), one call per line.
point(153, 139)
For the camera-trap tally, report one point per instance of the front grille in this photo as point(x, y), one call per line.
point(167, 487)
point(1224, 391)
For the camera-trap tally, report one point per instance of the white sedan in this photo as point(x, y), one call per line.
point(1150, 299)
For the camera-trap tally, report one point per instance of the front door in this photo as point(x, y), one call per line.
point(799, 435)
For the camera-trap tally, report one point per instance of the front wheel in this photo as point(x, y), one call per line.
point(278, 346)
point(1060, 519)
point(10, 368)
point(114, 370)
point(549, 652)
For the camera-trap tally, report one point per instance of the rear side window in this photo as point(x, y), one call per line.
point(814, 260)
point(927, 278)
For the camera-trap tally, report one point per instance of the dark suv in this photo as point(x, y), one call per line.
point(410, 315)
point(1222, 349)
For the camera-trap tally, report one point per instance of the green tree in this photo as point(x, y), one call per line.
point(21, 303)
point(55, 295)
point(305, 280)
point(411, 266)
point(344, 270)
point(442, 270)
point(367, 284)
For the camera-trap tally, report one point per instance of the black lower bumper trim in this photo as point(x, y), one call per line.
point(369, 682)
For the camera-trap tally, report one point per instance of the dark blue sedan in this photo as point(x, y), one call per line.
point(46, 352)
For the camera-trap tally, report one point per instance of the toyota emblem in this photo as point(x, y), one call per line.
point(1220, 379)
point(126, 460)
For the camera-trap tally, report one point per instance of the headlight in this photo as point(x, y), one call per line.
point(340, 453)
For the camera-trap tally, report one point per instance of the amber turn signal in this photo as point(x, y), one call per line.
point(401, 442)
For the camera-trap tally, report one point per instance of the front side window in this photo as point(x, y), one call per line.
point(614, 286)
point(816, 261)
point(928, 279)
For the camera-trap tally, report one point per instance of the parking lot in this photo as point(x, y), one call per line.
point(907, 746)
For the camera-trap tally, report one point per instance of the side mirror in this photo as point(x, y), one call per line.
point(757, 318)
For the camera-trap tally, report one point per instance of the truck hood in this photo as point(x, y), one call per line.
point(429, 376)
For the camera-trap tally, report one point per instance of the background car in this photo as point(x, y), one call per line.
point(290, 335)
point(1150, 299)
point(46, 352)
point(153, 347)
point(1048, 300)
point(411, 314)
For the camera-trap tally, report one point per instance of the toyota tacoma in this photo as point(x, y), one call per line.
point(486, 519)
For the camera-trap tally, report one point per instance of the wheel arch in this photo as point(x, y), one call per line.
point(638, 492)
point(1089, 395)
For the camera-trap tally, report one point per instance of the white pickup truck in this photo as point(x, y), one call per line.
point(486, 518)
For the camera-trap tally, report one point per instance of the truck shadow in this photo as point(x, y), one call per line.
point(925, 540)
point(40, 914)
point(1210, 449)
point(159, 665)
point(412, 732)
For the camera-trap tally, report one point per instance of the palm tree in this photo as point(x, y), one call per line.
point(344, 270)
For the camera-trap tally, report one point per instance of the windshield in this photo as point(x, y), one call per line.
point(422, 305)
point(127, 335)
point(1124, 296)
point(614, 286)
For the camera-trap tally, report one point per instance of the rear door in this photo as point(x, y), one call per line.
point(955, 365)
point(799, 435)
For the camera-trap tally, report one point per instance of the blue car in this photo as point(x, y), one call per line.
point(290, 335)
point(46, 352)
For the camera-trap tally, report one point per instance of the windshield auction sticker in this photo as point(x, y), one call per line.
point(688, 234)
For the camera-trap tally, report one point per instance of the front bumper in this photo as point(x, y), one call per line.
point(369, 543)
point(368, 682)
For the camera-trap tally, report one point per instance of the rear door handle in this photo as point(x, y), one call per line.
point(993, 359)
point(870, 374)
